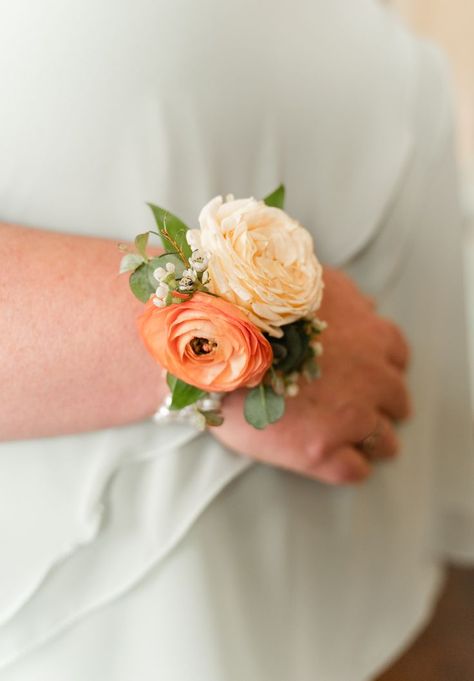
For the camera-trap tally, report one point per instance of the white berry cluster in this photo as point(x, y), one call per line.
point(166, 277)
point(196, 274)
point(192, 279)
point(286, 384)
point(317, 327)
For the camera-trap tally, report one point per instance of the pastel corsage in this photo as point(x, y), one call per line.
point(231, 305)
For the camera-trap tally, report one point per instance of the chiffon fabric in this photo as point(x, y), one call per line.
point(147, 552)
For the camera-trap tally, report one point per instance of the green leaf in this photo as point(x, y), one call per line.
point(296, 341)
point(184, 394)
point(263, 406)
point(173, 233)
point(171, 381)
point(279, 351)
point(294, 346)
point(130, 262)
point(141, 242)
point(161, 260)
point(142, 280)
point(141, 285)
point(277, 198)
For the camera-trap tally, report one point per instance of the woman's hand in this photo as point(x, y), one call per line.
point(361, 393)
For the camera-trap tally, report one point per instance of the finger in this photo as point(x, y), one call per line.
point(346, 466)
point(333, 427)
point(382, 443)
point(325, 453)
point(392, 397)
point(398, 350)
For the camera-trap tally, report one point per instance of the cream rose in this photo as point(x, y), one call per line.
point(260, 260)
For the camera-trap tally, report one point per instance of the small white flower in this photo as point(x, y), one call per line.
point(319, 325)
point(187, 281)
point(198, 261)
point(278, 384)
point(292, 390)
point(159, 273)
point(170, 267)
point(193, 237)
point(229, 197)
point(317, 348)
point(159, 302)
point(205, 277)
point(162, 290)
point(186, 285)
point(189, 274)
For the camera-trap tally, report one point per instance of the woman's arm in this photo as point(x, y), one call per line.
point(70, 356)
point(71, 360)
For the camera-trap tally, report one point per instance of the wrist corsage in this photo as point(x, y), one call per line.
point(230, 305)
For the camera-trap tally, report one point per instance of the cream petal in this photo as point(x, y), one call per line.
point(261, 260)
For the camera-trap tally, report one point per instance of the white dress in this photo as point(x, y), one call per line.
point(140, 552)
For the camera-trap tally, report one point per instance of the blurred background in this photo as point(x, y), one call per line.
point(445, 652)
point(450, 23)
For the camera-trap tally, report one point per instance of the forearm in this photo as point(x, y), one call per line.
point(70, 356)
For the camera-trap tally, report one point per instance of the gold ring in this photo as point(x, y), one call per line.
point(369, 443)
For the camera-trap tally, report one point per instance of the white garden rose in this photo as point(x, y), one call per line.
point(261, 260)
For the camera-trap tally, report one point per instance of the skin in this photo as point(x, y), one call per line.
point(362, 390)
point(69, 350)
point(72, 360)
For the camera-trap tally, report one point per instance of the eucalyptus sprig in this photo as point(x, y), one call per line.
point(172, 234)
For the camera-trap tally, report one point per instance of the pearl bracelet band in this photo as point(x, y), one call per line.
point(193, 415)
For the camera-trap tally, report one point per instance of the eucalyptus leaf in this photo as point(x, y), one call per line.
point(140, 283)
point(263, 406)
point(130, 262)
point(172, 232)
point(277, 198)
point(150, 267)
point(184, 394)
point(162, 260)
point(141, 242)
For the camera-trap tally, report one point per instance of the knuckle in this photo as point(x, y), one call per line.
point(350, 412)
point(316, 453)
point(353, 415)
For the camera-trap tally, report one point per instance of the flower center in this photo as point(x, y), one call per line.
point(202, 346)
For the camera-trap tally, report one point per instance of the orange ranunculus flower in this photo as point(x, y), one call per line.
point(206, 342)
